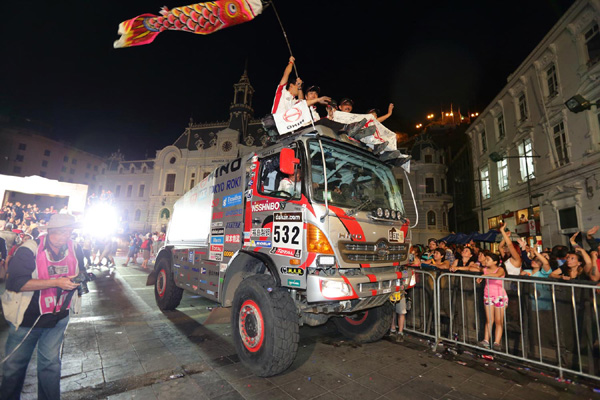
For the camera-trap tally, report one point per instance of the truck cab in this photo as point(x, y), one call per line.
point(305, 230)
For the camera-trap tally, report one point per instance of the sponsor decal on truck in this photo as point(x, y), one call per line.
point(265, 205)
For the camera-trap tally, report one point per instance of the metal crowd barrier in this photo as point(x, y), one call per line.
point(553, 324)
point(421, 319)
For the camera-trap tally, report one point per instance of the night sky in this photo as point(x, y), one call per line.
point(60, 71)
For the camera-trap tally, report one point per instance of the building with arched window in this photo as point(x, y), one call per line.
point(147, 189)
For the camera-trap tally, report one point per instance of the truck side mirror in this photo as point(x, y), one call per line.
point(287, 161)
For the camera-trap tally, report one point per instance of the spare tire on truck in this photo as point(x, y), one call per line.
point(265, 326)
point(367, 325)
point(167, 294)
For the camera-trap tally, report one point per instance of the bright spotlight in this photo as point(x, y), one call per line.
point(101, 220)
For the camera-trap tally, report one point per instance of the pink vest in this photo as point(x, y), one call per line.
point(48, 269)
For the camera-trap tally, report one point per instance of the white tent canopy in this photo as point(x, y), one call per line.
point(36, 185)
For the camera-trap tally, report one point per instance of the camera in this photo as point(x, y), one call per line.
point(82, 278)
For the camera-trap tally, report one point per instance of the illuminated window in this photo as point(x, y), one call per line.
point(170, 183)
point(526, 149)
point(484, 176)
point(502, 175)
point(431, 218)
point(560, 144)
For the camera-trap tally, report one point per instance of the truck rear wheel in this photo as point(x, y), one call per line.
point(167, 294)
point(368, 325)
point(265, 326)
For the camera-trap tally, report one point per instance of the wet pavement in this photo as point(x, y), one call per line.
point(123, 347)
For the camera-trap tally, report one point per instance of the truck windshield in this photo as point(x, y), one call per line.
point(352, 178)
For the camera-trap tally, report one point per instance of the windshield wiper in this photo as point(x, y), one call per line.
point(362, 205)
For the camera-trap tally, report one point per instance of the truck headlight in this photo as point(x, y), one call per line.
point(334, 289)
point(325, 261)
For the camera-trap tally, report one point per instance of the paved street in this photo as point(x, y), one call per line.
point(123, 347)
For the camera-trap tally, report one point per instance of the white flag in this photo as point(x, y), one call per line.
point(381, 132)
point(294, 118)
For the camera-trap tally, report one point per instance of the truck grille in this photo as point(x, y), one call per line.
point(373, 252)
point(367, 287)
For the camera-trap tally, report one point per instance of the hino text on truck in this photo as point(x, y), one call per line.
point(331, 245)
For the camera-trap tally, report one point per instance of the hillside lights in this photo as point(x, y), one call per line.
point(316, 241)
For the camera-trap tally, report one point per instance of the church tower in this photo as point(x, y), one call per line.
point(241, 111)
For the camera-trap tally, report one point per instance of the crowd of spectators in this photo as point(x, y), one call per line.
point(23, 216)
point(504, 300)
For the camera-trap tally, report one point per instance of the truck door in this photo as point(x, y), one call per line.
point(275, 216)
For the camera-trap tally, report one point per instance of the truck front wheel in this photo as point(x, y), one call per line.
point(265, 326)
point(167, 294)
point(368, 325)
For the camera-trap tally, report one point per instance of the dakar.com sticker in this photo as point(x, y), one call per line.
point(286, 252)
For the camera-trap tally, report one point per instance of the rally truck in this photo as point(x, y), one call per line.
point(309, 229)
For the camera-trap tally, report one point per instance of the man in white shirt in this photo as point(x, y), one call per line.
point(288, 94)
point(292, 184)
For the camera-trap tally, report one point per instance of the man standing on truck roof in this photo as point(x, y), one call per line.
point(288, 94)
point(312, 93)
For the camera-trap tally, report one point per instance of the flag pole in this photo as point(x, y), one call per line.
point(284, 35)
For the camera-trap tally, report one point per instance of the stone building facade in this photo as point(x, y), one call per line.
point(427, 178)
point(528, 119)
point(146, 190)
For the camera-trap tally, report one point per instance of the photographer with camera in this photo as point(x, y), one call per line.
point(43, 276)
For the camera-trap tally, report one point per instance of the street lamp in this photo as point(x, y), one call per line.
point(578, 103)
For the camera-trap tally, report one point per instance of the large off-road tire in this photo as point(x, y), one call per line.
point(265, 326)
point(167, 294)
point(368, 325)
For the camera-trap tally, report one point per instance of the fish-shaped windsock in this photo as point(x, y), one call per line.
point(200, 18)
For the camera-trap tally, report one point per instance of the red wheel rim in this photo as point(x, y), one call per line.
point(252, 326)
point(161, 283)
point(357, 319)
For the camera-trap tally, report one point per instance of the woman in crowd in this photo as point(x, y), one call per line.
point(465, 262)
point(494, 300)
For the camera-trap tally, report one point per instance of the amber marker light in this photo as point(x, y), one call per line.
point(316, 241)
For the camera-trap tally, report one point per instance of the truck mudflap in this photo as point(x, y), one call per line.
point(339, 287)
